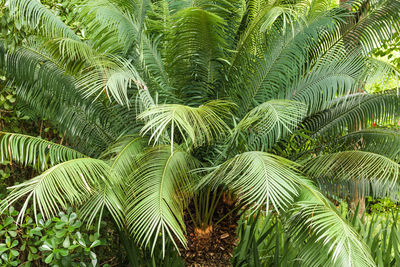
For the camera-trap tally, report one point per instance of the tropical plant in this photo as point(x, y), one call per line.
point(268, 244)
point(178, 115)
point(55, 242)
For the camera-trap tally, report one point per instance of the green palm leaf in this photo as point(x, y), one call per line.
point(331, 240)
point(258, 178)
point(353, 112)
point(374, 28)
point(195, 53)
point(35, 14)
point(270, 121)
point(201, 125)
point(157, 195)
point(385, 142)
point(106, 197)
point(125, 153)
point(113, 76)
point(34, 151)
point(329, 77)
point(68, 183)
point(354, 165)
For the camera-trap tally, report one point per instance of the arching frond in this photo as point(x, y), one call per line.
point(201, 124)
point(106, 197)
point(36, 15)
point(195, 54)
point(288, 53)
point(113, 28)
point(125, 153)
point(354, 165)
point(371, 30)
point(231, 12)
point(259, 17)
point(153, 63)
point(87, 127)
point(319, 7)
point(74, 55)
point(330, 239)
point(379, 72)
point(270, 121)
point(354, 112)
point(68, 183)
point(112, 76)
point(330, 77)
point(155, 199)
point(258, 178)
point(385, 142)
point(34, 151)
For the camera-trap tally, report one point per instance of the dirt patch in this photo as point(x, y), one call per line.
point(217, 248)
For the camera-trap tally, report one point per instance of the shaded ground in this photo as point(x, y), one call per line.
point(216, 250)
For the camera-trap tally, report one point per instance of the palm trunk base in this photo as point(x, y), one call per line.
point(213, 245)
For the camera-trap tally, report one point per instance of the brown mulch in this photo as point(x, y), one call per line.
point(216, 250)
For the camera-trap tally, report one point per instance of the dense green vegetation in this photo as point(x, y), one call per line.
point(219, 133)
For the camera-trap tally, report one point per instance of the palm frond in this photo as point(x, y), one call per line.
point(34, 151)
point(319, 7)
point(377, 26)
point(258, 178)
point(329, 77)
point(195, 53)
point(231, 12)
point(354, 165)
point(74, 55)
point(68, 183)
point(385, 142)
point(108, 197)
point(125, 154)
point(258, 16)
point(112, 76)
point(87, 127)
point(288, 57)
point(353, 112)
point(379, 72)
point(153, 63)
point(112, 28)
point(331, 240)
point(157, 194)
point(36, 16)
point(270, 121)
point(201, 125)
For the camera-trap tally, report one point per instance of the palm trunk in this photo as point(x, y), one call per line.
point(357, 198)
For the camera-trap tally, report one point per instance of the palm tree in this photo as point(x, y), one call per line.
point(172, 109)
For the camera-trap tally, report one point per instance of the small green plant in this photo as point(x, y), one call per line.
point(384, 205)
point(60, 241)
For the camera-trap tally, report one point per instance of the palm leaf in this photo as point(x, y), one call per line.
point(385, 142)
point(157, 197)
point(34, 151)
point(288, 51)
point(270, 121)
point(106, 197)
point(113, 76)
point(329, 77)
point(258, 178)
point(201, 125)
point(68, 183)
point(125, 153)
point(331, 241)
point(354, 165)
point(194, 54)
point(353, 112)
point(36, 15)
point(374, 28)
